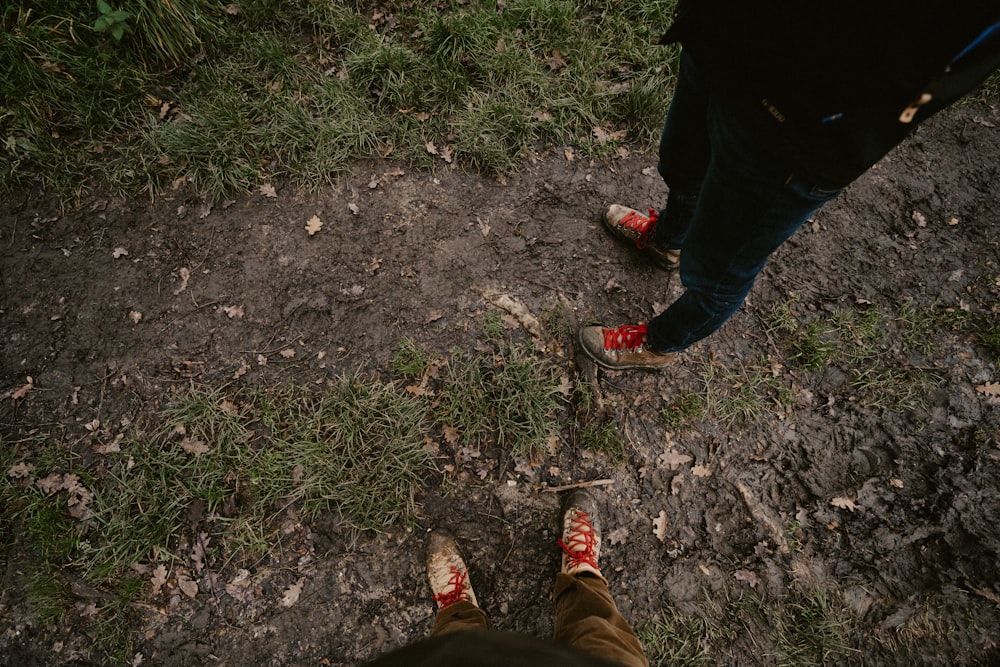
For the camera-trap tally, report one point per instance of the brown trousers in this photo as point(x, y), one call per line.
point(586, 618)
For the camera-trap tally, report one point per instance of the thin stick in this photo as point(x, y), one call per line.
point(579, 485)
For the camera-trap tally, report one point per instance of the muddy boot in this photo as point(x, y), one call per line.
point(631, 225)
point(447, 572)
point(621, 348)
point(581, 536)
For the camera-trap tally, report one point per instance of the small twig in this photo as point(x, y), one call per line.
point(579, 485)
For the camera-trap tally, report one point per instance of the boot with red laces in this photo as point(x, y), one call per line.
point(621, 348)
point(581, 535)
point(447, 572)
point(631, 225)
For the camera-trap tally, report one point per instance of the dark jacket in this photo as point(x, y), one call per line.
point(831, 82)
point(486, 648)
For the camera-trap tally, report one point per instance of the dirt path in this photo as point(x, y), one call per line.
point(112, 307)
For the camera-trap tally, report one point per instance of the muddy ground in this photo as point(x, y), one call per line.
point(748, 505)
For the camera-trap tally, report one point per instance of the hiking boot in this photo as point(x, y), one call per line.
point(631, 225)
point(621, 348)
point(447, 573)
point(581, 535)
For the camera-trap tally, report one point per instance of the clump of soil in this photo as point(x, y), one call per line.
point(890, 508)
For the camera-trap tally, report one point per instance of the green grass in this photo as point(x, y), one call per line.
point(675, 639)
point(684, 408)
point(355, 450)
point(511, 397)
point(806, 627)
point(297, 90)
point(879, 350)
point(603, 439)
point(811, 630)
point(743, 393)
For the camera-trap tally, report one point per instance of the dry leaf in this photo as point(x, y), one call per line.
point(898, 483)
point(353, 208)
point(51, 483)
point(431, 148)
point(556, 61)
point(844, 503)
point(194, 446)
point(466, 454)
point(187, 585)
point(110, 447)
point(288, 352)
point(20, 393)
point(618, 535)
point(989, 389)
point(241, 587)
point(919, 218)
point(701, 471)
point(570, 154)
point(541, 116)
point(198, 552)
point(451, 434)
point(234, 312)
point(20, 470)
point(313, 225)
point(135, 316)
point(520, 312)
point(268, 190)
point(660, 526)
point(292, 593)
point(603, 136)
point(747, 576)
point(241, 371)
point(158, 579)
point(673, 459)
point(119, 252)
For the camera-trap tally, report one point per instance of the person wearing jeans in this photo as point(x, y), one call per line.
point(589, 630)
point(765, 127)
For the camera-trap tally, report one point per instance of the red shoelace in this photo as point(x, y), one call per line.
point(457, 592)
point(639, 223)
point(626, 337)
point(582, 542)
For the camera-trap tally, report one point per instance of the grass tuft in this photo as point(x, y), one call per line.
point(674, 638)
point(603, 439)
point(511, 398)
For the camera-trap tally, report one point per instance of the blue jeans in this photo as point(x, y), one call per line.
point(732, 202)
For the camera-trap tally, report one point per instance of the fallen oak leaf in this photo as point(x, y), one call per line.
point(158, 579)
point(844, 503)
point(268, 190)
point(313, 225)
point(20, 470)
point(660, 526)
point(194, 446)
point(748, 577)
point(618, 536)
point(673, 459)
point(989, 389)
